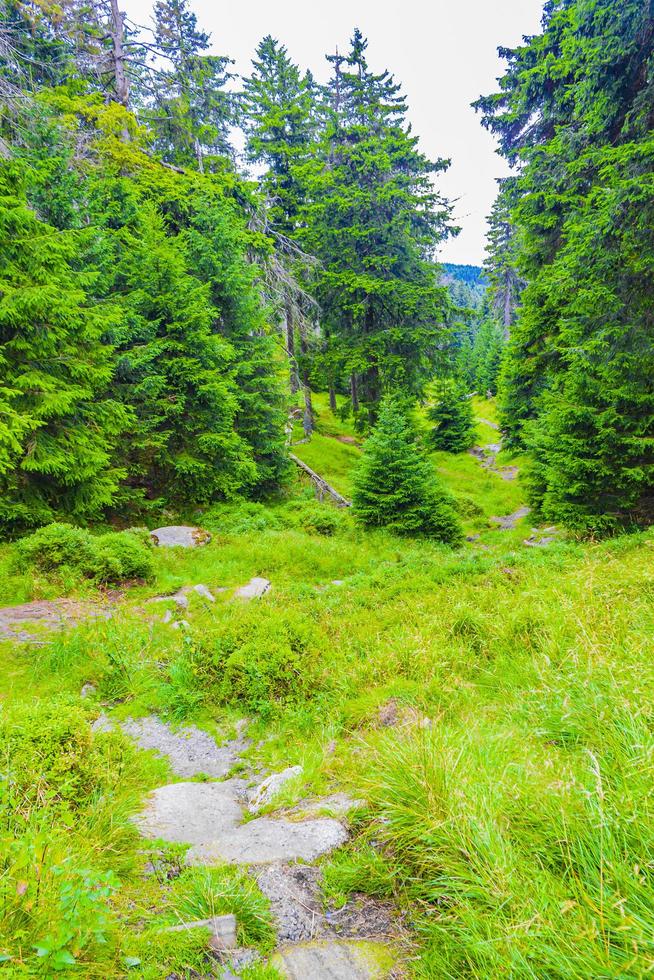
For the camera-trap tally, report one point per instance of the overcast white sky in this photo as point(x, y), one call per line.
point(444, 52)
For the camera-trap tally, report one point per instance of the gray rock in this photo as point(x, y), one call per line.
point(181, 624)
point(102, 724)
point(204, 592)
point(330, 961)
point(508, 522)
point(180, 536)
point(167, 616)
point(222, 931)
point(190, 750)
point(88, 690)
point(338, 581)
point(192, 813)
point(268, 841)
point(255, 589)
point(270, 787)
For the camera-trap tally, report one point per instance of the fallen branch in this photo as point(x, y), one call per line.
point(322, 487)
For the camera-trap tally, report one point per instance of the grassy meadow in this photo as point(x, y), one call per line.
point(492, 706)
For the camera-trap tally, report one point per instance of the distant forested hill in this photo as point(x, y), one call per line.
point(467, 284)
point(472, 275)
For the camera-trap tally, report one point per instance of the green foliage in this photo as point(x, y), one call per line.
point(53, 758)
point(576, 384)
point(113, 557)
point(397, 488)
point(452, 417)
point(207, 892)
point(60, 425)
point(373, 219)
point(257, 659)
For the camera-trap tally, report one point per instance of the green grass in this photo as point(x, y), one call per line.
point(510, 808)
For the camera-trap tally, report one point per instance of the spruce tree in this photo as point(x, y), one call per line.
point(397, 488)
point(61, 426)
point(176, 372)
point(193, 110)
point(452, 417)
point(277, 115)
point(574, 111)
point(374, 219)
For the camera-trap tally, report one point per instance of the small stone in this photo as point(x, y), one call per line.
point(204, 592)
point(426, 723)
point(180, 536)
point(167, 616)
point(255, 589)
point(271, 786)
point(338, 581)
point(88, 690)
point(182, 624)
point(388, 714)
point(102, 724)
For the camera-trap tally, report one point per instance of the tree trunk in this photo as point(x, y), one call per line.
point(118, 54)
point(332, 399)
point(307, 418)
point(354, 392)
point(290, 348)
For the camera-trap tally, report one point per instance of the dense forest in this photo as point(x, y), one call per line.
point(326, 593)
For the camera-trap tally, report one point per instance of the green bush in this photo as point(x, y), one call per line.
point(121, 556)
point(242, 518)
point(259, 659)
point(318, 518)
point(55, 545)
point(111, 557)
point(51, 758)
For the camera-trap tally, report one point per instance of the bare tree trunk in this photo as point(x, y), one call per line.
point(354, 392)
point(198, 154)
point(290, 347)
point(332, 399)
point(118, 53)
point(307, 418)
point(117, 31)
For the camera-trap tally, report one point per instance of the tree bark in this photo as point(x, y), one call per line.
point(354, 392)
point(290, 348)
point(118, 53)
point(307, 418)
point(332, 399)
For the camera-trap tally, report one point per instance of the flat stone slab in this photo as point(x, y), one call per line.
point(180, 536)
point(333, 961)
point(255, 589)
point(268, 841)
point(192, 813)
point(190, 750)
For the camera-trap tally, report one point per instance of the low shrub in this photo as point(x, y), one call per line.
point(244, 517)
point(318, 518)
point(112, 557)
point(52, 759)
point(259, 659)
